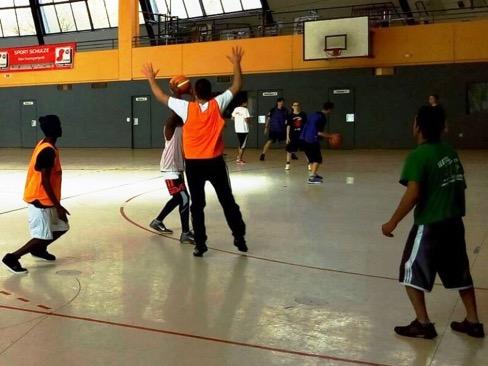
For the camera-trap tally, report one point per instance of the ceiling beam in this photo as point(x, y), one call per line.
point(147, 12)
point(407, 11)
point(38, 23)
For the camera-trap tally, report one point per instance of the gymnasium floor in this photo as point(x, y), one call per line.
point(318, 286)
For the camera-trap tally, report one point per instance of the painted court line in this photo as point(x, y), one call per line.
point(83, 194)
point(194, 336)
point(3, 292)
point(128, 219)
point(107, 188)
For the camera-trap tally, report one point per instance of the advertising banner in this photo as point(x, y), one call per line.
point(35, 58)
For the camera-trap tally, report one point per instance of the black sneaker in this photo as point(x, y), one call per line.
point(159, 226)
point(199, 250)
point(187, 238)
point(417, 330)
point(314, 180)
point(294, 156)
point(261, 157)
point(472, 329)
point(46, 256)
point(240, 243)
point(13, 264)
point(319, 177)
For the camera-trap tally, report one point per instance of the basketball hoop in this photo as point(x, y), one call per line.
point(333, 39)
point(333, 52)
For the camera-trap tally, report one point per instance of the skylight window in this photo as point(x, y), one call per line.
point(59, 16)
point(16, 18)
point(193, 8)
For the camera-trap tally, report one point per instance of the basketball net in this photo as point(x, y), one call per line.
point(333, 52)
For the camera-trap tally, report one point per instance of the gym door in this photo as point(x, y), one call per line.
point(343, 118)
point(265, 101)
point(252, 139)
point(141, 122)
point(28, 123)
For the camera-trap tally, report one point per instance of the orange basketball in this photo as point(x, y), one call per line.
point(180, 84)
point(335, 141)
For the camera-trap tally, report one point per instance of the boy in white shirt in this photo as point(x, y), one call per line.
point(172, 167)
point(242, 119)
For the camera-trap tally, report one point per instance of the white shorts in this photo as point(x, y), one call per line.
point(43, 222)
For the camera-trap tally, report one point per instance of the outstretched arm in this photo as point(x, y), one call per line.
point(236, 58)
point(325, 135)
point(150, 74)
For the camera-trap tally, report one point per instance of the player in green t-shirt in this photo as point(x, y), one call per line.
point(435, 183)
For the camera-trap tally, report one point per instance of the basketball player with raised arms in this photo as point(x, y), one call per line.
point(203, 146)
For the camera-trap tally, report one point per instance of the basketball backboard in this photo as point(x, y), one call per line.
point(336, 38)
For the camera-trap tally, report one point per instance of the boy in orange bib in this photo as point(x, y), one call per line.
point(203, 146)
point(47, 218)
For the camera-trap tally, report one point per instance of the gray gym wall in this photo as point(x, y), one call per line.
point(384, 106)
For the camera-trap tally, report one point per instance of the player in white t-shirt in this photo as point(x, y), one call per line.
point(172, 166)
point(242, 119)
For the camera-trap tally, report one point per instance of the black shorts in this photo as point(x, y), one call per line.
point(293, 146)
point(276, 136)
point(436, 248)
point(242, 137)
point(313, 152)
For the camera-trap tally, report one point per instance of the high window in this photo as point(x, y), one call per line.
point(16, 18)
point(60, 16)
point(199, 8)
point(77, 15)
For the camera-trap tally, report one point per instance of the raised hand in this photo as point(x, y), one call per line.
point(148, 71)
point(237, 53)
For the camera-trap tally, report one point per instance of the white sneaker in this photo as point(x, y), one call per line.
point(287, 166)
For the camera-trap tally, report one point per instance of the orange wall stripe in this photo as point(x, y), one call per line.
point(441, 43)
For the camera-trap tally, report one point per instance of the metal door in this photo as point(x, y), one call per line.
point(266, 99)
point(343, 118)
point(28, 123)
point(252, 139)
point(141, 122)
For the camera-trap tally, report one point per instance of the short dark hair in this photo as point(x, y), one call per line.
point(328, 106)
point(240, 98)
point(280, 99)
point(431, 122)
point(50, 125)
point(436, 96)
point(203, 89)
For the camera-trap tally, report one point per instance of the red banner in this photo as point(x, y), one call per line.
point(33, 58)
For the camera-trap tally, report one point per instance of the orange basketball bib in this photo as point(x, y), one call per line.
point(34, 190)
point(202, 132)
